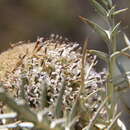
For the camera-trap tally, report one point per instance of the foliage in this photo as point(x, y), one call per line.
point(54, 85)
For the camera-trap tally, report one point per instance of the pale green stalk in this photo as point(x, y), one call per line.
point(106, 9)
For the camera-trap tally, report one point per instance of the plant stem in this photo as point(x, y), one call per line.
point(111, 67)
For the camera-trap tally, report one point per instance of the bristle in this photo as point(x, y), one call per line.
point(50, 62)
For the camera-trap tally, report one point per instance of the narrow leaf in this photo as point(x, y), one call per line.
point(119, 11)
point(44, 94)
point(92, 121)
point(110, 3)
point(97, 29)
point(99, 8)
point(100, 54)
point(113, 121)
point(58, 107)
point(57, 122)
point(74, 111)
point(23, 111)
point(121, 52)
point(72, 123)
point(111, 11)
point(115, 30)
point(100, 126)
point(121, 124)
point(83, 65)
point(24, 81)
point(105, 3)
point(8, 115)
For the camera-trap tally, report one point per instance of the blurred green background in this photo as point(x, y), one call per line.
point(22, 20)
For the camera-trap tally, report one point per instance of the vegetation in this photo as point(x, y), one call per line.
point(54, 86)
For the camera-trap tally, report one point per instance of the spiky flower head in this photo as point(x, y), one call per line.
point(26, 69)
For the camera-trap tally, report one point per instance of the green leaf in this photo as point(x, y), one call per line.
point(23, 111)
point(93, 119)
point(97, 29)
point(113, 121)
point(74, 111)
point(25, 81)
point(119, 11)
point(115, 30)
point(44, 94)
point(100, 54)
point(111, 11)
point(58, 107)
point(99, 8)
point(105, 3)
point(118, 53)
point(110, 3)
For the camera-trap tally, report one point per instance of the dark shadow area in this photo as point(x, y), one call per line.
point(27, 19)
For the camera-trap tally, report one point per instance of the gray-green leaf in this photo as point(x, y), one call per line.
point(115, 30)
point(110, 3)
point(120, 11)
point(99, 8)
point(100, 54)
point(58, 107)
point(97, 29)
point(111, 11)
